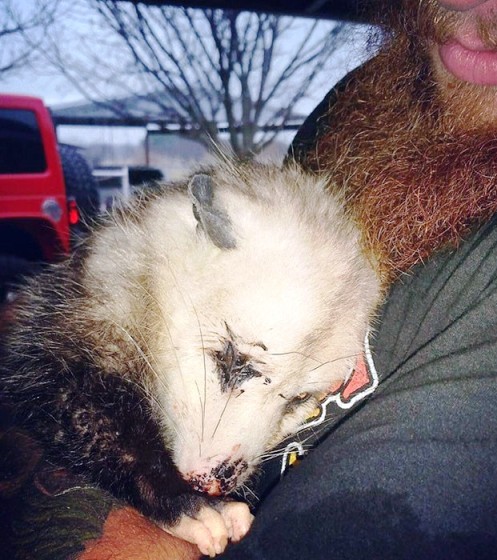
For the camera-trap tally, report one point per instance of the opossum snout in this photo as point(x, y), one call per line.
point(220, 480)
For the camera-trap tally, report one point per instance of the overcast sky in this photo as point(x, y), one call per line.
point(56, 90)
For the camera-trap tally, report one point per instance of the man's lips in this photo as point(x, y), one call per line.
point(472, 64)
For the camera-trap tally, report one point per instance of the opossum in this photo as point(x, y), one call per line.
point(191, 333)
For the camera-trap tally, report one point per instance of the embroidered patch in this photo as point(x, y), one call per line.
point(360, 383)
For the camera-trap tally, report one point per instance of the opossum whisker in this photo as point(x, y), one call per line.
point(164, 322)
point(147, 395)
point(201, 438)
point(272, 453)
point(278, 452)
point(248, 494)
point(157, 376)
point(140, 328)
point(204, 363)
point(146, 360)
point(182, 294)
point(203, 404)
point(210, 338)
point(140, 352)
point(142, 337)
point(158, 306)
point(315, 431)
point(335, 360)
point(292, 352)
point(273, 450)
point(289, 353)
point(222, 413)
point(267, 458)
point(323, 424)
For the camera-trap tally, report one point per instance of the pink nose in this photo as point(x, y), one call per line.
point(212, 487)
point(220, 480)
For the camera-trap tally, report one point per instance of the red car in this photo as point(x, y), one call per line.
point(34, 209)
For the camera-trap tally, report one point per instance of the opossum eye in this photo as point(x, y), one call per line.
point(301, 398)
point(234, 368)
point(296, 401)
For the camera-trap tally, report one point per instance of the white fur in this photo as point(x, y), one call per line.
point(296, 292)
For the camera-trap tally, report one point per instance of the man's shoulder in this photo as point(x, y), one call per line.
point(442, 308)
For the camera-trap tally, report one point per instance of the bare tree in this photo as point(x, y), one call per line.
point(207, 69)
point(23, 27)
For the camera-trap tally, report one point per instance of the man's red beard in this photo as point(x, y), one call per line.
point(418, 172)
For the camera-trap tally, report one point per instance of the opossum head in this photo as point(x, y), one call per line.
point(263, 298)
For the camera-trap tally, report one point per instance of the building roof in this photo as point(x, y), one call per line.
point(135, 110)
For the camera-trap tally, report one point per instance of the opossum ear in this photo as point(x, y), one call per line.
point(211, 219)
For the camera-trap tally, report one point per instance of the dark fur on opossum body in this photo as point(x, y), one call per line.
point(79, 385)
point(98, 424)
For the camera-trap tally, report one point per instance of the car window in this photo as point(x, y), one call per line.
point(21, 147)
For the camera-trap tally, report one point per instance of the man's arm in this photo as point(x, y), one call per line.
point(127, 535)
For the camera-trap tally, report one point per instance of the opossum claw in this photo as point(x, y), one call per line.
point(211, 528)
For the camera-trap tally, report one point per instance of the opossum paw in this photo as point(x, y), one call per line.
point(211, 528)
point(207, 530)
point(237, 518)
